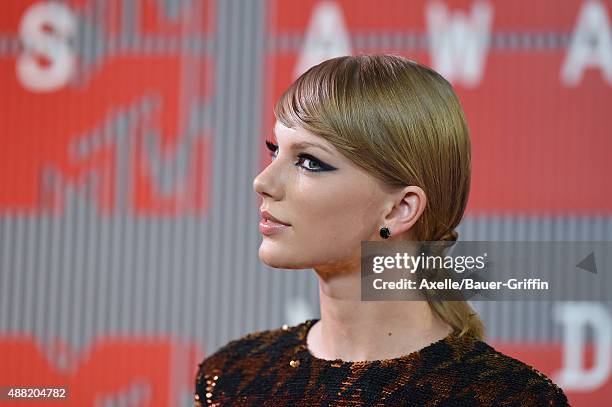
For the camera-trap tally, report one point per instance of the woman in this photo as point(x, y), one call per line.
point(366, 148)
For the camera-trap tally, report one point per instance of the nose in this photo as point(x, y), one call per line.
point(268, 182)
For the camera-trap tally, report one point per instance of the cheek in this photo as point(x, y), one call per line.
point(339, 213)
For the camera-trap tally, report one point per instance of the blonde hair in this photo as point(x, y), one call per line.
point(403, 123)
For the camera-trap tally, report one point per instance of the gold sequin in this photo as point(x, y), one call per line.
point(285, 327)
point(197, 397)
point(210, 382)
point(349, 379)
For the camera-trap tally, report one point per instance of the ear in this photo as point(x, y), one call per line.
point(408, 206)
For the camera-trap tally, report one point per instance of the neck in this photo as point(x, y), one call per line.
point(353, 330)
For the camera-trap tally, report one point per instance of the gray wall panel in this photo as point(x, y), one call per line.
point(83, 275)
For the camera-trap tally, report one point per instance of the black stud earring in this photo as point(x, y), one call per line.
point(384, 232)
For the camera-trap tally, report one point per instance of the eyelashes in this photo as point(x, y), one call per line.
point(271, 146)
point(320, 166)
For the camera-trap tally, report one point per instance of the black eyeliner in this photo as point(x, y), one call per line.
point(323, 166)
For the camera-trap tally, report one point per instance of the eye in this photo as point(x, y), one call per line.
point(314, 165)
point(311, 160)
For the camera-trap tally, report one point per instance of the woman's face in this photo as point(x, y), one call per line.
point(329, 203)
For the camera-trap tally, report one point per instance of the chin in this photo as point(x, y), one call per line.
point(278, 258)
point(271, 256)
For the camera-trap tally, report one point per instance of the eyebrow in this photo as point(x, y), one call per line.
point(303, 144)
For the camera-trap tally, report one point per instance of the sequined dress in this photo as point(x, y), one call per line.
point(275, 368)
